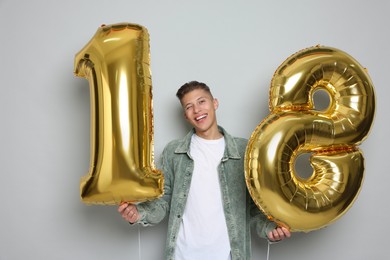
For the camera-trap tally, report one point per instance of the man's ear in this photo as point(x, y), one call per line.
point(216, 103)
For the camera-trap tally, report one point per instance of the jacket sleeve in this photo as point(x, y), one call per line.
point(153, 212)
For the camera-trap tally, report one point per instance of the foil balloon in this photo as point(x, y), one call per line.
point(331, 136)
point(116, 62)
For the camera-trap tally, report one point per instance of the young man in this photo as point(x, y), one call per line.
point(205, 195)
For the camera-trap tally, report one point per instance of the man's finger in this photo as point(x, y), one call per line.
point(122, 207)
point(271, 236)
point(286, 232)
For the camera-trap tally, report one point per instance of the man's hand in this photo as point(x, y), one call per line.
point(129, 212)
point(279, 233)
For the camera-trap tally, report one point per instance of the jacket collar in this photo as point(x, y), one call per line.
point(231, 150)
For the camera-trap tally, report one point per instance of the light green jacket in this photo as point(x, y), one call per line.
point(240, 212)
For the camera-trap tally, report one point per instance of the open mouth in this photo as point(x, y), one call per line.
point(200, 117)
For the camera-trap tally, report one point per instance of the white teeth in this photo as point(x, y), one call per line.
point(199, 118)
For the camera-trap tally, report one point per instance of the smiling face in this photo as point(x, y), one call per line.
point(199, 110)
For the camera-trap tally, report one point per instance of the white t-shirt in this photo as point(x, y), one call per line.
point(203, 232)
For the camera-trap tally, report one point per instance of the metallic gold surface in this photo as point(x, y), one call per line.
point(116, 62)
point(294, 127)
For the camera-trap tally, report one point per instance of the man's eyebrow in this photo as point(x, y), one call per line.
point(189, 103)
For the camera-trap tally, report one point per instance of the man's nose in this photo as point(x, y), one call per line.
point(196, 108)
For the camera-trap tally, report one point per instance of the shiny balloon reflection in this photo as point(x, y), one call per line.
point(116, 63)
point(294, 127)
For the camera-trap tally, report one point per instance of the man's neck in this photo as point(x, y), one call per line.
point(211, 134)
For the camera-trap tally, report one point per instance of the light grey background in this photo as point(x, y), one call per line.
point(234, 46)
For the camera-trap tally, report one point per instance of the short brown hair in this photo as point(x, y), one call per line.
point(190, 86)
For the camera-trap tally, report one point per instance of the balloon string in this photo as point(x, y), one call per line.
point(269, 245)
point(139, 242)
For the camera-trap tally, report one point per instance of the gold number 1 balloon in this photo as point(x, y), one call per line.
point(116, 63)
point(294, 127)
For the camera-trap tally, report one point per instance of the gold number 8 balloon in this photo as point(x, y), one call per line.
point(294, 127)
point(116, 63)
